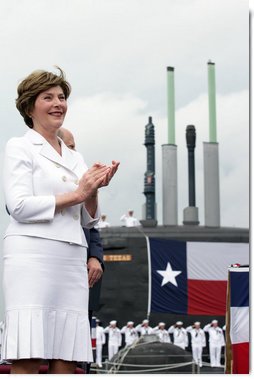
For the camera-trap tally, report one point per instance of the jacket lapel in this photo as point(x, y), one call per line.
point(67, 159)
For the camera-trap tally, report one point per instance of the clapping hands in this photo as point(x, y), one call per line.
point(109, 175)
point(99, 175)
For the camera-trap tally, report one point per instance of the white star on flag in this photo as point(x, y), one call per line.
point(169, 275)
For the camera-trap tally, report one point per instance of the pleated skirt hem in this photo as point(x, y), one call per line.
point(46, 333)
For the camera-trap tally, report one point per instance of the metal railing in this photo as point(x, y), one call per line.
point(113, 368)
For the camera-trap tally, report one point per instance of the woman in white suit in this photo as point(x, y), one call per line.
point(50, 195)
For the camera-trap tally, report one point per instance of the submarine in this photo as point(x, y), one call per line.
point(124, 289)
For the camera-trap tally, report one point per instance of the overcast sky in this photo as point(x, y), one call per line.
point(115, 54)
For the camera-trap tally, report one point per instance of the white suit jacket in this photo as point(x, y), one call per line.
point(33, 174)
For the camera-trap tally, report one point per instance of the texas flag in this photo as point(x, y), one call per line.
point(191, 277)
point(238, 320)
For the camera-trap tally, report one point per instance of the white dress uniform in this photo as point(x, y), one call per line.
point(131, 335)
point(198, 341)
point(144, 330)
point(216, 341)
point(45, 279)
point(162, 334)
point(114, 340)
point(130, 221)
point(100, 340)
point(180, 336)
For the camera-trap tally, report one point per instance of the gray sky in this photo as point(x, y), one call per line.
point(115, 54)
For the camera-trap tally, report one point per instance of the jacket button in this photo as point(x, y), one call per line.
point(76, 217)
point(64, 178)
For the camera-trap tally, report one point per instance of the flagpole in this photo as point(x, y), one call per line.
point(149, 277)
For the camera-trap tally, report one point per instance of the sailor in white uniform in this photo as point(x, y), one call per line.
point(100, 340)
point(216, 341)
point(180, 334)
point(144, 328)
point(162, 332)
point(114, 339)
point(198, 341)
point(131, 335)
point(129, 219)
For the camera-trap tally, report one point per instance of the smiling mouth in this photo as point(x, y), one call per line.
point(56, 114)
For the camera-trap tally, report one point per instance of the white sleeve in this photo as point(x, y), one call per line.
point(137, 223)
point(203, 339)
point(171, 329)
point(119, 338)
point(207, 327)
point(23, 205)
point(189, 329)
point(86, 220)
point(106, 330)
point(123, 218)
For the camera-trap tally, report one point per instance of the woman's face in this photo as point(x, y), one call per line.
point(50, 108)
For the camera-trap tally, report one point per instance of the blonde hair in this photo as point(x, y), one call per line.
point(35, 83)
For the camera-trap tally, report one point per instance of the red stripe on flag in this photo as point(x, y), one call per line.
point(207, 297)
point(240, 355)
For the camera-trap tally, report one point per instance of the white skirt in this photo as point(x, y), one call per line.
point(46, 292)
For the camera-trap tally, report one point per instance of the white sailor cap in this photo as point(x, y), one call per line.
point(130, 323)
point(113, 322)
point(214, 322)
point(97, 320)
point(145, 321)
point(162, 324)
point(179, 323)
point(197, 323)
